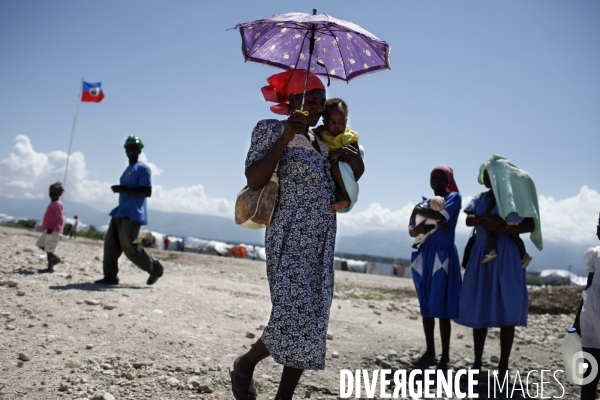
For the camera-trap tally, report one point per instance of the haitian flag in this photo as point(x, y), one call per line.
point(92, 92)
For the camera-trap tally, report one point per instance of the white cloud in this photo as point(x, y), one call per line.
point(26, 173)
point(153, 168)
point(570, 220)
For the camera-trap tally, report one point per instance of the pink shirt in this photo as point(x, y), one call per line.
point(54, 218)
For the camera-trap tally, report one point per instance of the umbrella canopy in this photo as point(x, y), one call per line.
point(342, 50)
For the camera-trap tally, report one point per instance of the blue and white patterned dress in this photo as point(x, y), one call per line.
point(299, 248)
point(436, 269)
point(493, 294)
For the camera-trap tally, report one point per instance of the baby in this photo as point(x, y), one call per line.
point(52, 227)
point(436, 203)
point(511, 219)
point(336, 135)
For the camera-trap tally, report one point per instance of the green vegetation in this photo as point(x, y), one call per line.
point(91, 233)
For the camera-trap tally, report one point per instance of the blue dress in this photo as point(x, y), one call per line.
point(436, 269)
point(493, 294)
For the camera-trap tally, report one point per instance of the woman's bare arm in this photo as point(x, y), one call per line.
point(260, 171)
point(429, 213)
point(528, 225)
point(422, 228)
point(352, 157)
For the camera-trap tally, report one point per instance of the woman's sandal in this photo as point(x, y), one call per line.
point(242, 388)
point(442, 365)
point(425, 360)
point(526, 260)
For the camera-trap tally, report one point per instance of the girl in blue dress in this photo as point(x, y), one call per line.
point(435, 266)
point(493, 294)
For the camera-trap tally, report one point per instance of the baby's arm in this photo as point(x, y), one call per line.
point(443, 226)
point(335, 154)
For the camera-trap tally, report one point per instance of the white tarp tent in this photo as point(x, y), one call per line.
point(561, 276)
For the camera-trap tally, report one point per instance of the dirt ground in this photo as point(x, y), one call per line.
point(63, 337)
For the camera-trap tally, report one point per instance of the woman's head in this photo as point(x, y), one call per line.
point(442, 180)
point(314, 103)
point(286, 89)
point(55, 191)
point(486, 179)
point(336, 116)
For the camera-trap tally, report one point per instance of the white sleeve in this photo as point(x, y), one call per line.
point(591, 258)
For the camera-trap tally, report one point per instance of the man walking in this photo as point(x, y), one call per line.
point(127, 218)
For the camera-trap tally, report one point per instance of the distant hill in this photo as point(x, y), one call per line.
point(372, 245)
point(397, 244)
point(178, 224)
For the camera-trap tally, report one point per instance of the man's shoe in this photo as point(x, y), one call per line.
point(157, 272)
point(107, 281)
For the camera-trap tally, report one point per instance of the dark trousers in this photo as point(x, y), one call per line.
point(119, 239)
point(588, 392)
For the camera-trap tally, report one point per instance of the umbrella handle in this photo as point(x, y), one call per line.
point(305, 113)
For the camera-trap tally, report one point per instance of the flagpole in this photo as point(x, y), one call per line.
point(73, 132)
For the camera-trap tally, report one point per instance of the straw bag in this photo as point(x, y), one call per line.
point(254, 210)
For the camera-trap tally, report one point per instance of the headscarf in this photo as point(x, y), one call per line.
point(285, 84)
point(451, 188)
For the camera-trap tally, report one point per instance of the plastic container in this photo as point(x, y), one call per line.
point(571, 344)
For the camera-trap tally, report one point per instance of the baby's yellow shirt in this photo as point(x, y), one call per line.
point(341, 140)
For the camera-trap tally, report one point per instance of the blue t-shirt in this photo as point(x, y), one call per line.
point(134, 177)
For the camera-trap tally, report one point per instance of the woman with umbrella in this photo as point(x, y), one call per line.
point(300, 240)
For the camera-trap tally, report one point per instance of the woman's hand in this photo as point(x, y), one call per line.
point(295, 124)
point(351, 156)
point(420, 229)
point(492, 223)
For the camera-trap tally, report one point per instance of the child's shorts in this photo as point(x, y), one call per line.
point(48, 242)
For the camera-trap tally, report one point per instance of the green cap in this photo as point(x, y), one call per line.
point(132, 139)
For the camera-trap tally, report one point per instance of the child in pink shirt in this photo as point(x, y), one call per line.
point(52, 227)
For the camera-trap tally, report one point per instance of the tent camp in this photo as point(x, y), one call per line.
point(561, 277)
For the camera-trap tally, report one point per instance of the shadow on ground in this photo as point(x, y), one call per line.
point(93, 287)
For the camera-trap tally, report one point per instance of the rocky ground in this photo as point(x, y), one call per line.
point(64, 338)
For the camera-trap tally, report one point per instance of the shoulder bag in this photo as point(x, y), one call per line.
point(254, 209)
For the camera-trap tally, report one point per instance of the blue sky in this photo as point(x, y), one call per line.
point(468, 79)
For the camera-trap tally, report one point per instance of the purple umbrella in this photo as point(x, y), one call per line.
point(342, 49)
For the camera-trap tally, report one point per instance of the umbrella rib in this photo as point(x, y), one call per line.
point(302, 47)
point(343, 62)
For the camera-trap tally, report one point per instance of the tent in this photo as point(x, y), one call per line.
point(561, 277)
